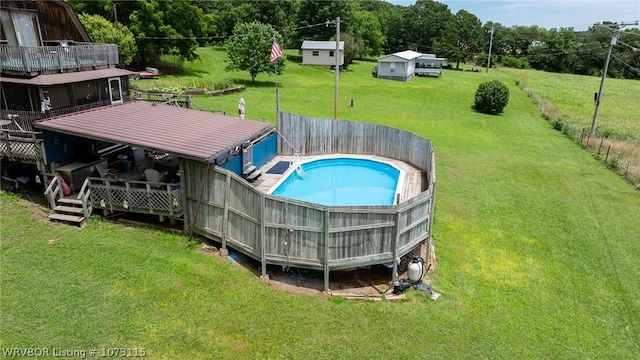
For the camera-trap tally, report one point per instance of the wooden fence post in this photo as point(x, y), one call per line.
point(394, 250)
point(225, 216)
point(600, 147)
point(326, 250)
point(263, 246)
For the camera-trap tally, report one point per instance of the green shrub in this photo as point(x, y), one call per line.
point(491, 97)
point(223, 84)
point(513, 62)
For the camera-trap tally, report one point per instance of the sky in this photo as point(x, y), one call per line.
point(578, 14)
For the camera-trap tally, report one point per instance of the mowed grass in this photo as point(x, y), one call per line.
point(538, 249)
point(572, 96)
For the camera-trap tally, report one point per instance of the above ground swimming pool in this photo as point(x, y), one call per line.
point(341, 181)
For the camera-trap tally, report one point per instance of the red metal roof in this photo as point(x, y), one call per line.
point(69, 77)
point(185, 132)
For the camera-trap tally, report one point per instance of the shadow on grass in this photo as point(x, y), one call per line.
point(294, 58)
point(256, 84)
point(193, 72)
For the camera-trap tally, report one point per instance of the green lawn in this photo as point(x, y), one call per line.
point(538, 248)
point(572, 96)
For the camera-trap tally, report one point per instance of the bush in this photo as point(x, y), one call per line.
point(491, 97)
point(512, 62)
point(223, 84)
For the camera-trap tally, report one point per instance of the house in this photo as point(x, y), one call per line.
point(406, 64)
point(49, 67)
point(428, 64)
point(67, 115)
point(321, 53)
point(398, 66)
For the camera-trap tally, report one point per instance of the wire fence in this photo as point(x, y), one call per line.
point(620, 156)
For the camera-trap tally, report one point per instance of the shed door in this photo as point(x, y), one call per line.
point(115, 90)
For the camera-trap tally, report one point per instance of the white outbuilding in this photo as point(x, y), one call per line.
point(321, 53)
point(398, 66)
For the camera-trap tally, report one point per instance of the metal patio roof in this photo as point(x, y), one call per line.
point(321, 45)
point(196, 134)
point(69, 77)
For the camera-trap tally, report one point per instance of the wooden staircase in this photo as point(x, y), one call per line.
point(69, 210)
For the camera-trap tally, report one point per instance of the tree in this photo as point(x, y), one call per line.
point(313, 13)
point(278, 13)
point(103, 31)
point(427, 20)
point(169, 27)
point(367, 27)
point(250, 49)
point(556, 54)
point(353, 48)
point(491, 97)
point(463, 38)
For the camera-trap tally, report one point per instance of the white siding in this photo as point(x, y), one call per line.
point(399, 69)
point(323, 57)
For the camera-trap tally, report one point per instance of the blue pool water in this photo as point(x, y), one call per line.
point(342, 182)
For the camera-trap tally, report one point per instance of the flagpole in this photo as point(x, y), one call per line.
point(275, 69)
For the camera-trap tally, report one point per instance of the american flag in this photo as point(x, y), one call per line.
point(276, 52)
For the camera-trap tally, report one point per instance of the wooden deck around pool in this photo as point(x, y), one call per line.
point(291, 233)
point(413, 183)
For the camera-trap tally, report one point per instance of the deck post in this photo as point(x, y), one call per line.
point(326, 250)
point(394, 245)
point(263, 245)
point(225, 215)
point(432, 188)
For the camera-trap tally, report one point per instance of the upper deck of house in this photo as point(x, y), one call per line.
point(45, 37)
point(66, 56)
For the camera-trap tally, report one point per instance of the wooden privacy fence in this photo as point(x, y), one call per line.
point(277, 230)
point(318, 136)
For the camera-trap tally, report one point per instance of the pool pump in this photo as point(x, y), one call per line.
point(415, 270)
point(415, 273)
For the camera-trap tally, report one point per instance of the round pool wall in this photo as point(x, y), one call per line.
point(342, 181)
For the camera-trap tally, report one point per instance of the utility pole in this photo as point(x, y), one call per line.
point(337, 87)
point(490, 46)
point(115, 14)
point(598, 97)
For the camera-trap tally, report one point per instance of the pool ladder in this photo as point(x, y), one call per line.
point(298, 166)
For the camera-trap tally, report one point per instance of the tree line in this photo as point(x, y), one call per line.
point(152, 28)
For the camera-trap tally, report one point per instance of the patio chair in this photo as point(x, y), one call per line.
point(106, 173)
point(153, 175)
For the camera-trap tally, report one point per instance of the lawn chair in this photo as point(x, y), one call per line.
point(106, 173)
point(153, 175)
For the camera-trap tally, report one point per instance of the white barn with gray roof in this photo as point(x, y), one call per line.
point(321, 53)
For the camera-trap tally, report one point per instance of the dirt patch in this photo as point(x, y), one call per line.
point(373, 280)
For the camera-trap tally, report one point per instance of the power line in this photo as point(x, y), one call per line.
point(614, 39)
point(627, 45)
point(629, 66)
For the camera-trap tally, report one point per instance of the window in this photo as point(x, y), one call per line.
point(20, 28)
point(392, 67)
point(315, 53)
point(332, 53)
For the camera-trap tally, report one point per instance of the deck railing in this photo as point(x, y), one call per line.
point(161, 98)
point(53, 192)
point(20, 145)
point(34, 59)
point(26, 119)
point(135, 196)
